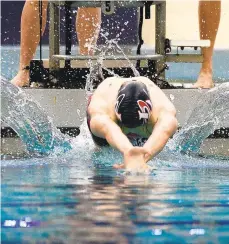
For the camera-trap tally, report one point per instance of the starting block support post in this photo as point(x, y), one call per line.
point(160, 33)
point(156, 65)
point(54, 35)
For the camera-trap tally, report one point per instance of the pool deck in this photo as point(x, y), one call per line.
point(67, 109)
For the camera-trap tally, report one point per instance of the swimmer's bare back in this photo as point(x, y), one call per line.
point(104, 98)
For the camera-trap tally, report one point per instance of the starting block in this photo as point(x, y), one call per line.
point(190, 43)
point(182, 44)
point(67, 70)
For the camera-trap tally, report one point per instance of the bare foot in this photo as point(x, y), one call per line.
point(21, 79)
point(204, 80)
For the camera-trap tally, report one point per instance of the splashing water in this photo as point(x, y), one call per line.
point(37, 130)
point(211, 113)
point(95, 76)
point(136, 73)
point(29, 121)
point(40, 136)
point(111, 46)
point(96, 69)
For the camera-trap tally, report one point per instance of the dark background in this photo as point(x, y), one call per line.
point(11, 17)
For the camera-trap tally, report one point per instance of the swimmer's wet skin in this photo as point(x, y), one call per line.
point(123, 109)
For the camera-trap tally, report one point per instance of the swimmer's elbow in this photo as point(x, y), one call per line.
point(99, 126)
point(173, 126)
point(168, 125)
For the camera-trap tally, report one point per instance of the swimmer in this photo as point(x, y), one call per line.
point(132, 115)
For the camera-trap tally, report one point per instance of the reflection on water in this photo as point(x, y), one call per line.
point(66, 201)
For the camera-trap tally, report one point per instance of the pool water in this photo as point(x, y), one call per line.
point(65, 200)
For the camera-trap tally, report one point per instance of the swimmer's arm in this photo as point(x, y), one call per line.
point(164, 128)
point(103, 126)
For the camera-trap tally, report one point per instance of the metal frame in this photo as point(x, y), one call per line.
point(54, 45)
point(161, 55)
point(54, 34)
point(160, 34)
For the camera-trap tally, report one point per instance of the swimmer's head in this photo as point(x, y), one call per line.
point(133, 105)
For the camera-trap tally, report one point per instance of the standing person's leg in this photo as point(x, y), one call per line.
point(209, 18)
point(87, 27)
point(30, 37)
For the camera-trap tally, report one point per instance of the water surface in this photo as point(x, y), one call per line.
point(68, 200)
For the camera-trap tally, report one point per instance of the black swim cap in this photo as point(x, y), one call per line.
point(133, 105)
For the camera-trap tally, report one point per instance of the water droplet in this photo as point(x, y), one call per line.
point(171, 97)
point(197, 232)
point(157, 232)
point(78, 111)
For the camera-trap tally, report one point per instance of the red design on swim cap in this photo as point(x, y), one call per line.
point(145, 108)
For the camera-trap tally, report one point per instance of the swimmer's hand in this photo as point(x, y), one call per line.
point(135, 159)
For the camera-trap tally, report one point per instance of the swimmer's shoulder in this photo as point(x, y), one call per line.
point(149, 83)
point(158, 97)
point(110, 83)
point(105, 94)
